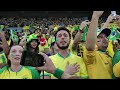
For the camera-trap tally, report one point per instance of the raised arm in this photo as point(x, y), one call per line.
point(92, 32)
point(109, 19)
point(5, 45)
point(79, 34)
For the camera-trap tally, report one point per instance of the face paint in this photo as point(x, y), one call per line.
point(12, 56)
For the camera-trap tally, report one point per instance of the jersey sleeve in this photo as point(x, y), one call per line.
point(116, 70)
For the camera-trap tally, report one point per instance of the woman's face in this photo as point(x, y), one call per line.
point(33, 44)
point(15, 54)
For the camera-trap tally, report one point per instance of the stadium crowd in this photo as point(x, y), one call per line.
point(60, 48)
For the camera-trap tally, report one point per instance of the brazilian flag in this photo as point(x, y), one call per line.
point(84, 34)
point(14, 37)
point(77, 27)
point(114, 34)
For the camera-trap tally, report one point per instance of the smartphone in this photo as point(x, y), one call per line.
point(32, 59)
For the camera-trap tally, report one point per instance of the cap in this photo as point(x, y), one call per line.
point(106, 31)
point(31, 37)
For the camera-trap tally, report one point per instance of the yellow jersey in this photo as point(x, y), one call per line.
point(61, 62)
point(116, 70)
point(26, 72)
point(99, 65)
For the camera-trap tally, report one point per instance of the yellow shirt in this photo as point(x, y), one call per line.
point(25, 72)
point(61, 62)
point(99, 65)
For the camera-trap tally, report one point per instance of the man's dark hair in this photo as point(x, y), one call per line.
point(62, 28)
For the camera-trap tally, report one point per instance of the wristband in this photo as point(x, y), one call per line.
point(58, 73)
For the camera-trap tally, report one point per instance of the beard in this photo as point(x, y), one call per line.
point(62, 47)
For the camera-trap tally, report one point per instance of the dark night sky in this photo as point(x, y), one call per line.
point(51, 13)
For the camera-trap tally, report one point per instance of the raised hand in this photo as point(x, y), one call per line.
point(84, 24)
point(110, 18)
point(117, 18)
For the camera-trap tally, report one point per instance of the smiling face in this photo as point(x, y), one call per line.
point(62, 39)
point(15, 54)
point(33, 44)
